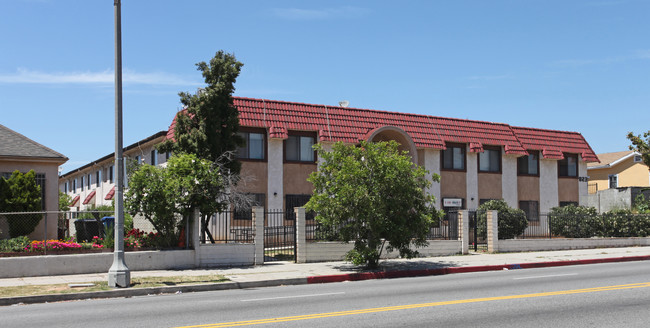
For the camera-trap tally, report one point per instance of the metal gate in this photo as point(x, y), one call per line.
point(279, 236)
point(477, 228)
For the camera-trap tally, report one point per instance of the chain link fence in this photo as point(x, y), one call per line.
point(35, 233)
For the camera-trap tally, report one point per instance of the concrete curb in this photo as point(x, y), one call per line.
point(132, 292)
point(301, 281)
point(451, 270)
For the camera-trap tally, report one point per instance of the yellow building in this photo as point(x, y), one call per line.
point(617, 170)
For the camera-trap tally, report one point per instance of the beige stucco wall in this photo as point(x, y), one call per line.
point(453, 184)
point(489, 186)
point(51, 171)
point(568, 190)
point(527, 188)
point(254, 177)
point(295, 178)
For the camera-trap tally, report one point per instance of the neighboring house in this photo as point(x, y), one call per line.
point(533, 169)
point(93, 184)
point(18, 152)
point(618, 170)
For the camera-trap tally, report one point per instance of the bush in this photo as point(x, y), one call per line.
point(574, 221)
point(17, 244)
point(512, 221)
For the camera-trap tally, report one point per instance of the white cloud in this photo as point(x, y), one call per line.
point(639, 55)
point(319, 14)
point(489, 77)
point(26, 76)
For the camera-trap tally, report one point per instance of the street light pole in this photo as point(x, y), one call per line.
point(119, 274)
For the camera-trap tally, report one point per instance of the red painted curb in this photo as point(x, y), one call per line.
point(443, 271)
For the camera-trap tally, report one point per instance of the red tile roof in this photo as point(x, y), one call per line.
point(110, 194)
point(350, 125)
point(89, 197)
point(554, 143)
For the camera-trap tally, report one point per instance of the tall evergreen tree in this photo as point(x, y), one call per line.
point(209, 126)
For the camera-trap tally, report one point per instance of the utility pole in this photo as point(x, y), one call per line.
point(119, 274)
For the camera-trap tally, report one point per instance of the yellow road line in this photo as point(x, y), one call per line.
point(416, 306)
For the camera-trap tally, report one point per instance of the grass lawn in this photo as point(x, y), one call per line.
point(143, 282)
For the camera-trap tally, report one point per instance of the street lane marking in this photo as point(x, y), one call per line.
point(286, 297)
point(416, 306)
point(547, 276)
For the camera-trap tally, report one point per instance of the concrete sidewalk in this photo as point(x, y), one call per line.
point(282, 273)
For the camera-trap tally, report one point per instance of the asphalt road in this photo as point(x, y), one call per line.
point(598, 295)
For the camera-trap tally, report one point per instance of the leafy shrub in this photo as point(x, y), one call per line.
point(574, 221)
point(512, 221)
point(17, 244)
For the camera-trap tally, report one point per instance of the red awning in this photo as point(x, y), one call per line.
point(110, 194)
point(75, 200)
point(89, 197)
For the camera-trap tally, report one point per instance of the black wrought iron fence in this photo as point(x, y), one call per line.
point(227, 227)
point(611, 224)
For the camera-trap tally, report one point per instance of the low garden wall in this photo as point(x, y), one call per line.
point(528, 245)
point(335, 251)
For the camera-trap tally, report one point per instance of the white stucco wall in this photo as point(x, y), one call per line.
point(583, 186)
point(509, 181)
point(275, 176)
point(432, 164)
point(548, 185)
point(472, 180)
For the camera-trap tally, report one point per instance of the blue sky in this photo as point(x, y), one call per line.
point(567, 65)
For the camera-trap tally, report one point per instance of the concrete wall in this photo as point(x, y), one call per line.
point(609, 199)
point(528, 245)
point(335, 251)
point(32, 266)
point(226, 254)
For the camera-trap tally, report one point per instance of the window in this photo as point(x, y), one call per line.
point(138, 159)
point(65, 187)
point(111, 173)
point(253, 147)
point(154, 157)
point(490, 160)
point(98, 178)
point(292, 201)
point(246, 213)
point(453, 158)
point(562, 204)
point(168, 154)
point(529, 164)
point(531, 208)
point(88, 182)
point(299, 149)
point(40, 181)
point(613, 181)
point(82, 183)
point(74, 185)
point(638, 159)
point(568, 167)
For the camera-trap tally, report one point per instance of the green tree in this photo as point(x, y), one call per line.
point(574, 221)
point(20, 193)
point(209, 126)
point(372, 194)
point(64, 202)
point(188, 182)
point(640, 145)
point(512, 221)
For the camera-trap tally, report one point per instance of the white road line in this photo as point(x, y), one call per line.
point(284, 297)
point(549, 276)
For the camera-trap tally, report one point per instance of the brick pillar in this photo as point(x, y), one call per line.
point(301, 240)
point(463, 230)
point(492, 231)
point(258, 225)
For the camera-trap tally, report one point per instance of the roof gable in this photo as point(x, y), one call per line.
point(15, 144)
